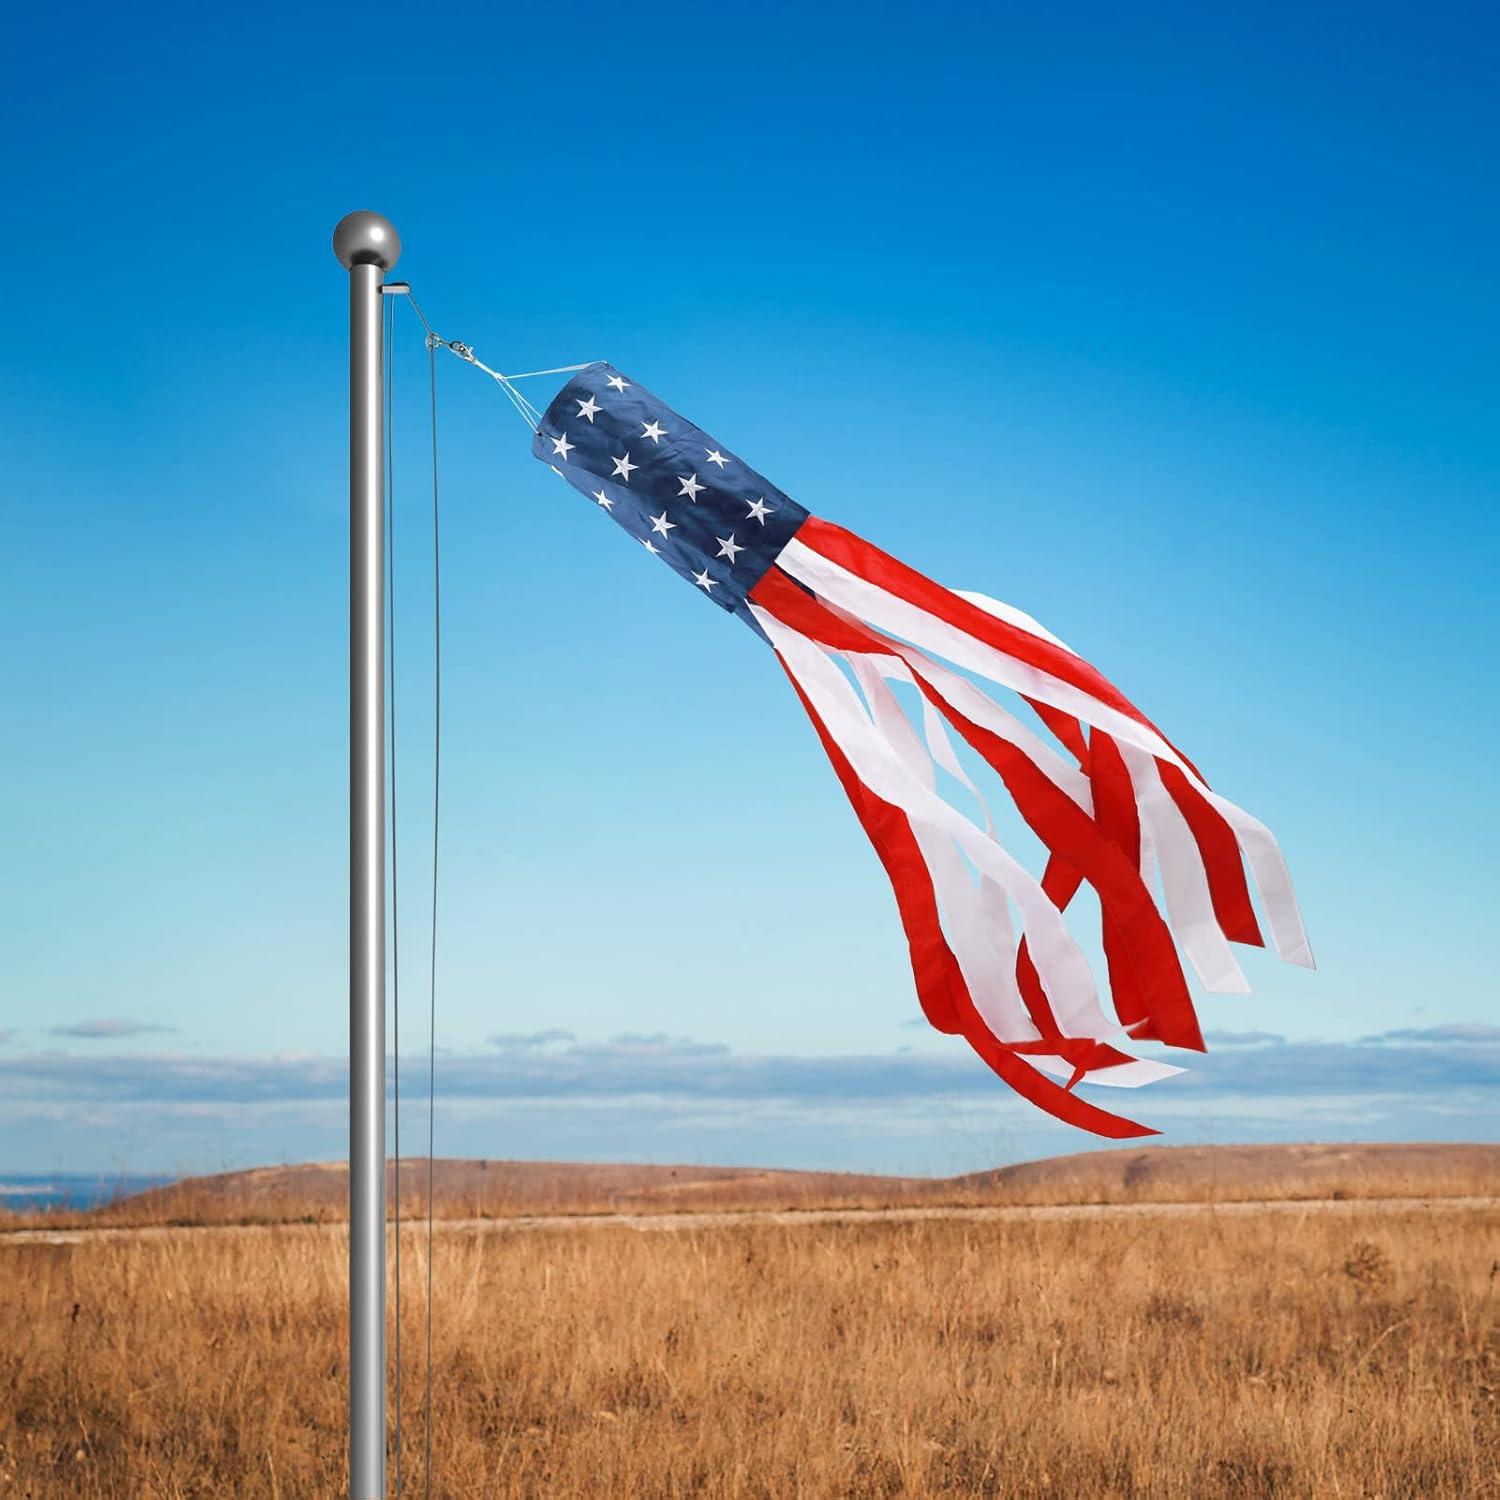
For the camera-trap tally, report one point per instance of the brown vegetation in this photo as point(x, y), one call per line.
point(1229, 1174)
point(1301, 1353)
point(317, 1192)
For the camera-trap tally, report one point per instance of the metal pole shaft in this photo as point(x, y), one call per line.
point(366, 892)
point(368, 247)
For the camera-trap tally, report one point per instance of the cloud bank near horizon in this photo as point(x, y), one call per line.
point(655, 1097)
point(554, 1064)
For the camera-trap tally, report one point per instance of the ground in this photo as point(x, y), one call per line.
point(1341, 1345)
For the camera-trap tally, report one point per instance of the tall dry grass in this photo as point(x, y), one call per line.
point(1246, 1354)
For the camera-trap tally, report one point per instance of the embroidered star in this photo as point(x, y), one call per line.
point(728, 547)
point(759, 510)
point(562, 445)
point(662, 524)
point(618, 384)
point(646, 543)
point(653, 430)
point(604, 500)
point(715, 457)
point(704, 582)
point(623, 466)
point(690, 487)
point(587, 408)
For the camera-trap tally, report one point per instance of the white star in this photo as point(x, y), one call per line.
point(662, 524)
point(715, 457)
point(653, 430)
point(646, 543)
point(604, 500)
point(690, 487)
point(562, 445)
point(623, 466)
point(704, 582)
point(618, 384)
point(587, 408)
point(759, 510)
point(728, 547)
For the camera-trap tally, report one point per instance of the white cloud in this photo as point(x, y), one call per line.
point(1462, 1033)
point(107, 1028)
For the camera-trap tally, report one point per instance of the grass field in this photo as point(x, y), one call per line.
point(1250, 1353)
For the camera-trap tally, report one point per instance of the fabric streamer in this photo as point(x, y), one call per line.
point(991, 953)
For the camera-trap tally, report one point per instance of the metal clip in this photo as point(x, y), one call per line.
point(434, 341)
point(462, 350)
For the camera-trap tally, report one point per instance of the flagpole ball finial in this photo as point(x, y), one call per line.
point(364, 238)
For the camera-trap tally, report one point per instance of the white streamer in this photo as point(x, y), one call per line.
point(1060, 964)
point(869, 602)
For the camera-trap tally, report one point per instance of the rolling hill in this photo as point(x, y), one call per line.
point(467, 1188)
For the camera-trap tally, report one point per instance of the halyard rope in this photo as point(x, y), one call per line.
point(532, 417)
point(433, 341)
point(437, 762)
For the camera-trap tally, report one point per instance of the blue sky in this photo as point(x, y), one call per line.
point(1175, 329)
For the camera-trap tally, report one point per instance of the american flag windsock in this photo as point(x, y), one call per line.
point(991, 954)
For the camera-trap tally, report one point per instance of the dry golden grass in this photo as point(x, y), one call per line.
point(1301, 1353)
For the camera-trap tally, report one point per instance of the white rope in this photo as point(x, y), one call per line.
point(530, 415)
point(558, 370)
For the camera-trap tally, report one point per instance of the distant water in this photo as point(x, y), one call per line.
point(25, 1192)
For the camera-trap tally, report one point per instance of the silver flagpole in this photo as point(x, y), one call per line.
point(367, 246)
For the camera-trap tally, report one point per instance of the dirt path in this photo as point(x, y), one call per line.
point(794, 1217)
